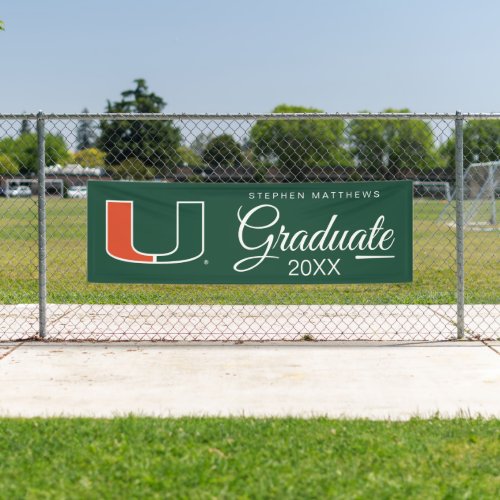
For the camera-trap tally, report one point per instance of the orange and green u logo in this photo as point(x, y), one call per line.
point(190, 234)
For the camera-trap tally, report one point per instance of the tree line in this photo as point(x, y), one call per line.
point(148, 149)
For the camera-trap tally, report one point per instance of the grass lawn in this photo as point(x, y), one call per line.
point(249, 458)
point(434, 267)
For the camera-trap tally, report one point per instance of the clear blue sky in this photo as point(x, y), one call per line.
point(248, 56)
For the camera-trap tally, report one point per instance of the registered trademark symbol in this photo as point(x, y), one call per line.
point(205, 262)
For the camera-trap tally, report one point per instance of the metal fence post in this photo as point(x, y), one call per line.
point(459, 194)
point(42, 228)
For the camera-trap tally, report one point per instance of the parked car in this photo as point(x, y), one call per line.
point(77, 192)
point(19, 191)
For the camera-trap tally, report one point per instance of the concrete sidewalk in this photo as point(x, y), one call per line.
point(376, 381)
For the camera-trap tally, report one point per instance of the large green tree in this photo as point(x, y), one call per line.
point(223, 151)
point(481, 143)
point(387, 146)
point(23, 151)
point(153, 143)
point(294, 144)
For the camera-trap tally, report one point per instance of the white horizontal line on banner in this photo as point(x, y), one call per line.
point(361, 257)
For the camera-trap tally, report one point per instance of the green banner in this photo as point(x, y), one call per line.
point(151, 232)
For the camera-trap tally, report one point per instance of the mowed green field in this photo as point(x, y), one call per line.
point(434, 266)
point(249, 458)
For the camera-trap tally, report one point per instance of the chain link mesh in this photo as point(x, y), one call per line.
point(250, 149)
point(18, 231)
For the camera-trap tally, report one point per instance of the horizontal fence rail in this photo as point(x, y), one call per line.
point(46, 161)
point(259, 116)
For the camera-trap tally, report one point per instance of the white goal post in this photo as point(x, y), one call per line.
point(481, 183)
point(481, 190)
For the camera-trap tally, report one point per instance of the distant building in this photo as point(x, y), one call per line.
point(76, 175)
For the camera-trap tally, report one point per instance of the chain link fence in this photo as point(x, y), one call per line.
point(47, 160)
